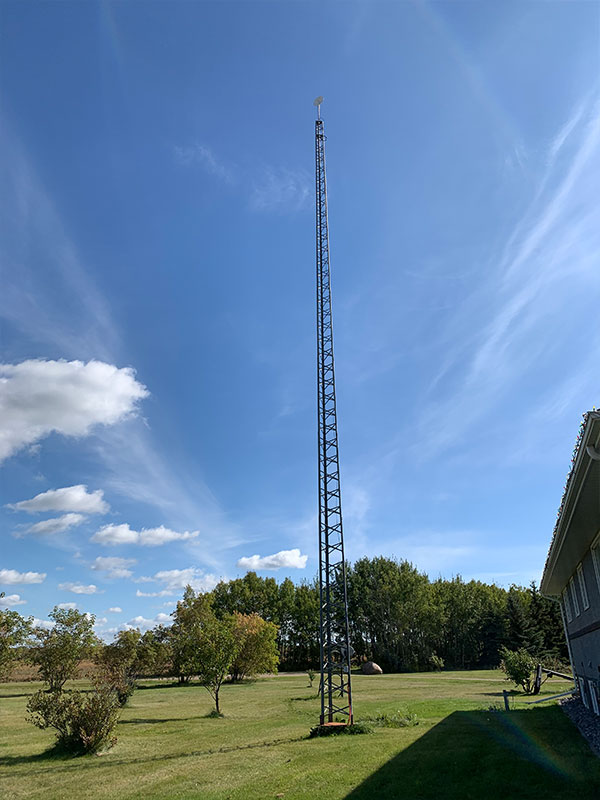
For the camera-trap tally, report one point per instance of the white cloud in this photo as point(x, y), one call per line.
point(177, 579)
point(38, 397)
point(11, 576)
point(200, 155)
point(67, 606)
point(69, 498)
point(162, 593)
point(115, 610)
point(114, 567)
point(56, 524)
point(289, 559)
point(281, 190)
point(100, 621)
point(43, 623)
point(145, 624)
point(79, 588)
point(12, 600)
point(147, 537)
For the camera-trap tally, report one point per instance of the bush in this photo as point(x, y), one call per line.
point(519, 666)
point(341, 730)
point(436, 663)
point(84, 723)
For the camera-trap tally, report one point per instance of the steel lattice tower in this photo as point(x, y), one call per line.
point(336, 695)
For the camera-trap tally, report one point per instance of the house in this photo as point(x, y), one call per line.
point(572, 571)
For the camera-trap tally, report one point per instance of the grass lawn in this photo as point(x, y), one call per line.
point(168, 748)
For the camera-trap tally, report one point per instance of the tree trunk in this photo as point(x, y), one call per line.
point(217, 702)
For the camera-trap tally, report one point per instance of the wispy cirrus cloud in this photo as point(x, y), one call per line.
point(200, 155)
point(544, 275)
point(280, 190)
point(268, 188)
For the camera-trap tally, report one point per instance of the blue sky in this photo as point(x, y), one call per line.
point(158, 288)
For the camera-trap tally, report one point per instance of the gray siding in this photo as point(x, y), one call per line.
point(584, 629)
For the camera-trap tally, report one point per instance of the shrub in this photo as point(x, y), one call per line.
point(361, 726)
point(311, 676)
point(519, 666)
point(436, 663)
point(84, 722)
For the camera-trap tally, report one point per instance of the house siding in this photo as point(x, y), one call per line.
point(584, 629)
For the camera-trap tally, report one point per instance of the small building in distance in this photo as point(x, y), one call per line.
point(572, 571)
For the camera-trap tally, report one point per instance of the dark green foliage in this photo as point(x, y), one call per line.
point(547, 622)
point(340, 730)
point(119, 663)
point(84, 722)
point(402, 620)
point(14, 630)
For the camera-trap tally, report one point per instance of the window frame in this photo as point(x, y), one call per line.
point(574, 597)
point(585, 601)
point(593, 696)
point(595, 551)
point(567, 604)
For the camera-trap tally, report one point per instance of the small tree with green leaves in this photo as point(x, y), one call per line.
point(14, 630)
point(257, 646)
point(119, 663)
point(60, 649)
point(519, 666)
point(216, 649)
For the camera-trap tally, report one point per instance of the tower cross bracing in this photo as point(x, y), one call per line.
point(335, 652)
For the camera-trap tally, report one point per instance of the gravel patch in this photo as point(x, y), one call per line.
point(587, 722)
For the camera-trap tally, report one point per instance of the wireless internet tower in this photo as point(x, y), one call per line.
point(334, 642)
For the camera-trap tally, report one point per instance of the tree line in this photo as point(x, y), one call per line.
point(399, 618)
point(402, 620)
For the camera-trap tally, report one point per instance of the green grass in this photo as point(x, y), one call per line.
point(168, 746)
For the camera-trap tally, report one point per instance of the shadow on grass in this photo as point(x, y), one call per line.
point(528, 755)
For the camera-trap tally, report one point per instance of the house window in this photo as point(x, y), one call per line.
point(574, 596)
point(582, 589)
point(595, 548)
point(594, 696)
point(567, 606)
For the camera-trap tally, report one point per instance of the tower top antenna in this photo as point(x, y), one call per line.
point(317, 102)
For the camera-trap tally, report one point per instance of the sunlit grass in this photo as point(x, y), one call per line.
point(170, 747)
